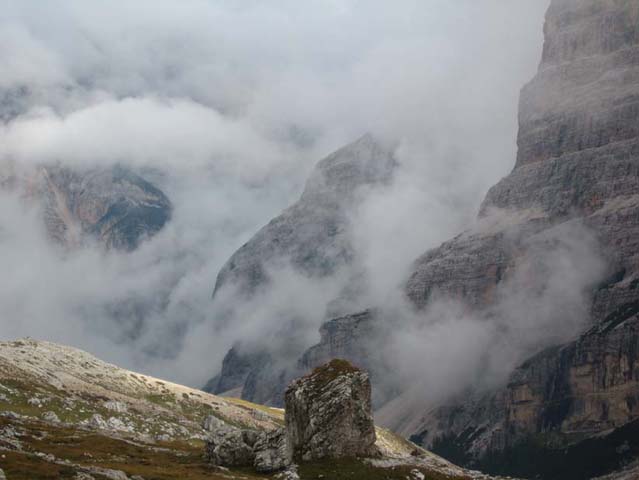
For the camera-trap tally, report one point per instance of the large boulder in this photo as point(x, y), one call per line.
point(328, 414)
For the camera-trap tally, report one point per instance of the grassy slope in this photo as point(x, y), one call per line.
point(76, 385)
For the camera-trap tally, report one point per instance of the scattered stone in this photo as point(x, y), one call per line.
point(108, 473)
point(329, 414)
point(115, 423)
point(2, 475)
point(212, 423)
point(260, 415)
point(417, 475)
point(51, 417)
point(118, 407)
point(35, 402)
point(83, 476)
point(97, 421)
point(289, 474)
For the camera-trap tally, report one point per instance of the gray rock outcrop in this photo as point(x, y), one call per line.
point(312, 236)
point(328, 414)
point(111, 205)
point(578, 159)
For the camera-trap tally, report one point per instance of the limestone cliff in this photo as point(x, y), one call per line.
point(312, 236)
point(112, 206)
point(578, 159)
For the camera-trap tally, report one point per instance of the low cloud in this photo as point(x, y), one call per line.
point(226, 106)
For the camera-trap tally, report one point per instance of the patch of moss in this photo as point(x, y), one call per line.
point(335, 368)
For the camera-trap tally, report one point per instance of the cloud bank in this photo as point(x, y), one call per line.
point(226, 106)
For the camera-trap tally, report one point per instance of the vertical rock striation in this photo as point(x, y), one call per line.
point(578, 158)
point(311, 236)
point(328, 414)
point(109, 205)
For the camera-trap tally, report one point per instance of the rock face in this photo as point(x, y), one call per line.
point(312, 237)
point(311, 234)
point(340, 339)
point(578, 159)
point(328, 414)
point(111, 205)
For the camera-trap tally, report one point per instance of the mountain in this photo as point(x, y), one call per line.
point(67, 415)
point(312, 236)
point(571, 409)
point(110, 205)
point(578, 160)
point(312, 233)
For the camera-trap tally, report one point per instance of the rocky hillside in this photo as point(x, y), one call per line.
point(312, 236)
point(109, 205)
point(66, 414)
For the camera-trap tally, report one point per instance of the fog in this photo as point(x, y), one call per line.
point(229, 104)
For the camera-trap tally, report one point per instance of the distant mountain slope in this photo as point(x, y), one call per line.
point(312, 233)
point(109, 205)
point(311, 236)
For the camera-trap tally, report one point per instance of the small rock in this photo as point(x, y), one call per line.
point(115, 423)
point(417, 475)
point(212, 423)
point(2, 475)
point(50, 417)
point(289, 474)
point(118, 407)
point(96, 421)
point(35, 402)
point(108, 473)
point(83, 476)
point(260, 415)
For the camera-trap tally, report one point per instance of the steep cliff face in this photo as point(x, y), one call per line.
point(312, 233)
point(578, 159)
point(111, 205)
point(312, 236)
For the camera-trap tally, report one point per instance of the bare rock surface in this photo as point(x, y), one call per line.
point(328, 414)
point(110, 205)
point(312, 237)
point(578, 159)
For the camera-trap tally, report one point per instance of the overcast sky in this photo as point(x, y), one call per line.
point(233, 102)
